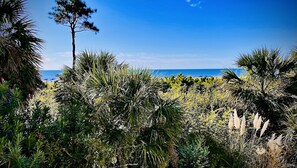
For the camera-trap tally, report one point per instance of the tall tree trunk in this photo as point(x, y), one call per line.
point(73, 48)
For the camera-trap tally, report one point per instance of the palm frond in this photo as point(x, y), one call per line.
point(11, 10)
point(231, 76)
point(20, 56)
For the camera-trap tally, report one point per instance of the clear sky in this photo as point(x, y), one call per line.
point(172, 34)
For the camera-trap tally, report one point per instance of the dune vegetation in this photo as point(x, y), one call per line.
point(103, 113)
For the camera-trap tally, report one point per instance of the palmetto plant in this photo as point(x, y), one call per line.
point(19, 47)
point(132, 125)
point(86, 62)
point(264, 87)
point(131, 117)
point(292, 88)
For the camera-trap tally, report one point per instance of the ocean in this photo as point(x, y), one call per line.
point(50, 75)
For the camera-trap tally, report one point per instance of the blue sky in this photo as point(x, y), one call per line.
point(172, 34)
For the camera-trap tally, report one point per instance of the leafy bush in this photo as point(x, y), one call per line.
point(193, 152)
point(19, 147)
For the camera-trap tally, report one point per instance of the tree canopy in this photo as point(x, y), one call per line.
point(74, 14)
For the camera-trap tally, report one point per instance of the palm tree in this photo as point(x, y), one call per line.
point(19, 47)
point(264, 87)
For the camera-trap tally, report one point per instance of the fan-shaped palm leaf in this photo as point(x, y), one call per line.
point(19, 47)
point(264, 87)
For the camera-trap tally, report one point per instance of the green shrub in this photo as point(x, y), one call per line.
point(19, 147)
point(193, 153)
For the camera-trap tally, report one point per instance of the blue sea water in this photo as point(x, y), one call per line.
point(50, 75)
point(194, 72)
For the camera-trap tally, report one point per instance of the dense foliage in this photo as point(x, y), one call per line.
point(104, 114)
point(265, 87)
point(101, 113)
